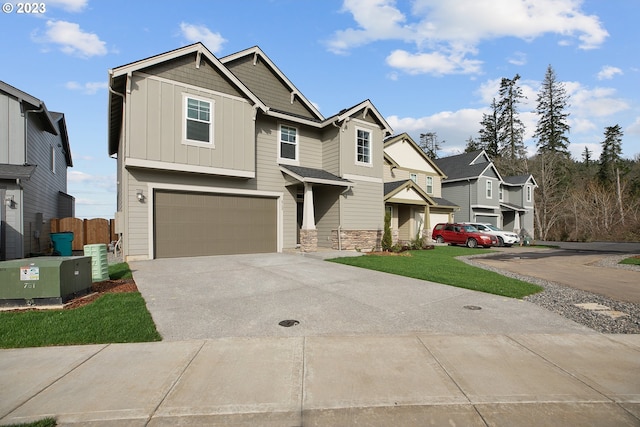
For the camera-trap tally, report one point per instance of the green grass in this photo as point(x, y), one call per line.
point(112, 318)
point(120, 271)
point(46, 422)
point(631, 261)
point(439, 265)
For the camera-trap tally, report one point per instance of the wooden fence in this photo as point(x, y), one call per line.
point(87, 231)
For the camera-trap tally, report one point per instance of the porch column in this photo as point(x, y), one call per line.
point(516, 222)
point(308, 232)
point(308, 218)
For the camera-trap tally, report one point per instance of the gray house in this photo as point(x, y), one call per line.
point(227, 156)
point(34, 157)
point(474, 184)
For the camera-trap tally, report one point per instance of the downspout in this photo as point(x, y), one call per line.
point(123, 199)
point(339, 238)
point(26, 129)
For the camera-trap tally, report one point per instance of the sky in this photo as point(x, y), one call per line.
point(427, 65)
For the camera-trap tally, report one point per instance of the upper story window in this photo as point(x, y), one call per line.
point(429, 185)
point(414, 177)
point(489, 190)
point(529, 193)
point(288, 148)
point(501, 194)
point(363, 146)
point(198, 124)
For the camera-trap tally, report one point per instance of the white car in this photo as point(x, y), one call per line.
point(505, 238)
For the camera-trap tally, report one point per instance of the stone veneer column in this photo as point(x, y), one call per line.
point(308, 240)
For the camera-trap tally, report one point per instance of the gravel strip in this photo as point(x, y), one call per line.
point(561, 299)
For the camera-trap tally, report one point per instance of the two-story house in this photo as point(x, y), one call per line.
point(474, 184)
point(413, 190)
point(34, 157)
point(227, 156)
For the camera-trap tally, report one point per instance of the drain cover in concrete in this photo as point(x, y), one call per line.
point(288, 323)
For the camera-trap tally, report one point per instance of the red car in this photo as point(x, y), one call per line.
point(462, 234)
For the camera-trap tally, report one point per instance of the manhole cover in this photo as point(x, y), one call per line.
point(288, 323)
point(472, 307)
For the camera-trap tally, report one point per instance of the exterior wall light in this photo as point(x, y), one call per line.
point(140, 196)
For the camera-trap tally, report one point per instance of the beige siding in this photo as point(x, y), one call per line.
point(331, 150)
point(362, 208)
point(155, 127)
point(184, 70)
point(348, 150)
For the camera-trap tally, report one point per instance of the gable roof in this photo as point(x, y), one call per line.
point(466, 166)
point(367, 108)
point(119, 81)
point(405, 137)
point(519, 180)
point(257, 54)
point(49, 118)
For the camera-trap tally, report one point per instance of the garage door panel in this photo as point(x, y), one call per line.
point(198, 224)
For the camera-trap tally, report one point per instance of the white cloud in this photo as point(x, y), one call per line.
point(72, 39)
point(447, 33)
point(634, 128)
point(597, 102)
point(518, 58)
point(200, 33)
point(69, 5)
point(89, 88)
point(608, 72)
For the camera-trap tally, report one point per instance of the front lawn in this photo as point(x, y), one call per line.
point(439, 265)
point(112, 318)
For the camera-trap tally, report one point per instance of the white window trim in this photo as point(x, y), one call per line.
point(501, 193)
point(370, 162)
point(413, 177)
point(529, 192)
point(489, 189)
point(285, 160)
point(429, 178)
point(212, 103)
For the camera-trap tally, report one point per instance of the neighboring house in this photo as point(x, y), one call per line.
point(413, 190)
point(226, 156)
point(34, 157)
point(474, 184)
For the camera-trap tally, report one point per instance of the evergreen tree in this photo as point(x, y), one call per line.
point(510, 127)
point(430, 144)
point(552, 124)
point(611, 156)
point(472, 145)
point(489, 138)
point(587, 156)
point(386, 242)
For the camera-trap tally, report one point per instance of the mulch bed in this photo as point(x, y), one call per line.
point(100, 288)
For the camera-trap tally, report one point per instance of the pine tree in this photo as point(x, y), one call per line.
point(587, 156)
point(489, 138)
point(510, 127)
point(611, 155)
point(472, 145)
point(552, 124)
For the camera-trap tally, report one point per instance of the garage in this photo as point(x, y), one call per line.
point(200, 224)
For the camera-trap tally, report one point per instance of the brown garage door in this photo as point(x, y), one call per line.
point(197, 224)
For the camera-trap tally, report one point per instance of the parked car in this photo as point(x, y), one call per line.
point(505, 238)
point(462, 234)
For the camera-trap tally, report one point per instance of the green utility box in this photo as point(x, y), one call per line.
point(43, 280)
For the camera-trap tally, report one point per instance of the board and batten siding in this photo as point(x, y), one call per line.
point(11, 131)
point(155, 127)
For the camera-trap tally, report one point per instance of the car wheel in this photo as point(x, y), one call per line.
point(508, 246)
point(472, 243)
point(500, 241)
point(440, 239)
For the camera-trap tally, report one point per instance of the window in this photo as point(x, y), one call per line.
point(414, 177)
point(489, 190)
point(501, 193)
point(429, 185)
point(363, 146)
point(198, 123)
point(528, 193)
point(288, 143)
point(52, 166)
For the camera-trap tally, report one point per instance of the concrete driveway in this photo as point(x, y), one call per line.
point(249, 295)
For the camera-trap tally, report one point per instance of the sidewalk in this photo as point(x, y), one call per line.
point(410, 380)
